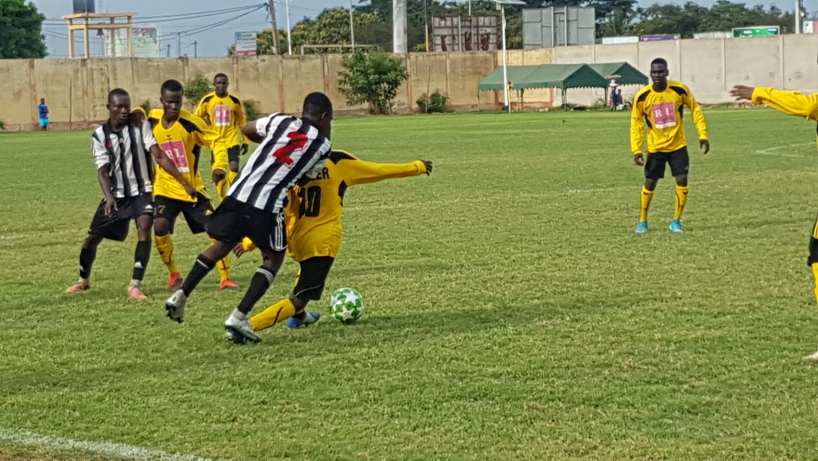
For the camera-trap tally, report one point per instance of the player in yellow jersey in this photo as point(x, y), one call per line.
point(224, 112)
point(314, 231)
point(180, 134)
point(658, 108)
point(799, 105)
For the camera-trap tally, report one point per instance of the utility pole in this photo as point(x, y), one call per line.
point(271, 10)
point(798, 23)
point(179, 43)
point(426, 24)
point(196, 49)
point(168, 49)
point(289, 37)
point(351, 27)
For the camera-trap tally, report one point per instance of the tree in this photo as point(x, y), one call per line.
point(372, 78)
point(196, 89)
point(21, 28)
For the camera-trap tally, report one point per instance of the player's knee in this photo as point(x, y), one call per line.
point(91, 241)
point(681, 180)
point(161, 227)
point(650, 184)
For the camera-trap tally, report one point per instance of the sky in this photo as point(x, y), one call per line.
point(214, 41)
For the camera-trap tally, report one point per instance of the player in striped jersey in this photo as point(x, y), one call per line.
point(289, 148)
point(125, 173)
point(181, 134)
point(224, 112)
point(314, 231)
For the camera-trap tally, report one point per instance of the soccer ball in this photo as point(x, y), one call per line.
point(346, 305)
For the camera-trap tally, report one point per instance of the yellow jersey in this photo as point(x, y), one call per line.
point(661, 113)
point(181, 142)
point(226, 115)
point(313, 214)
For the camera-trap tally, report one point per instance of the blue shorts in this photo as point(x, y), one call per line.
point(43, 122)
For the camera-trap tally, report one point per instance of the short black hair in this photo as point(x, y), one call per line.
point(316, 104)
point(117, 92)
point(172, 86)
point(220, 74)
point(659, 61)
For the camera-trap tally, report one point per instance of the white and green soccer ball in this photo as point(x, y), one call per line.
point(346, 305)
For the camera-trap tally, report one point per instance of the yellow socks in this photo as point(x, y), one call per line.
point(647, 196)
point(815, 275)
point(164, 245)
point(221, 189)
point(231, 176)
point(223, 265)
point(681, 200)
point(278, 312)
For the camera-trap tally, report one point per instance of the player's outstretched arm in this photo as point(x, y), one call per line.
point(789, 102)
point(356, 171)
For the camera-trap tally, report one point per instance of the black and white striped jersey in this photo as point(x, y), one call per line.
point(127, 155)
point(291, 149)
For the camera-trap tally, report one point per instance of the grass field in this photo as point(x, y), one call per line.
point(512, 313)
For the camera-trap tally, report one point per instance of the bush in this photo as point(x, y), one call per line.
point(373, 79)
point(2, 126)
point(434, 103)
point(196, 89)
point(251, 109)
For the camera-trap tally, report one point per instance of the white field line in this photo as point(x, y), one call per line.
point(119, 450)
point(775, 150)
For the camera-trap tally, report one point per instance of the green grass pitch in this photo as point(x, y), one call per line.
point(511, 311)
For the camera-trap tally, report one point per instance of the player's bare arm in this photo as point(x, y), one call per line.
point(104, 177)
point(167, 164)
point(249, 131)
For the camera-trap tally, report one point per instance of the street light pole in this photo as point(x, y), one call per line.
point(289, 38)
point(351, 27)
point(502, 4)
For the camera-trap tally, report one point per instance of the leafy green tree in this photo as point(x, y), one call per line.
point(372, 78)
point(196, 89)
point(21, 28)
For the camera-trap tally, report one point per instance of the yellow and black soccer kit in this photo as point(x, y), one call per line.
point(227, 117)
point(660, 113)
point(314, 227)
point(182, 143)
point(799, 105)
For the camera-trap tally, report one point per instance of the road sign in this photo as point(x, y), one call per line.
point(245, 44)
point(757, 31)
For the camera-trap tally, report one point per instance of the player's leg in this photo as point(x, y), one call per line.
point(812, 261)
point(679, 166)
point(197, 218)
point(269, 235)
point(164, 219)
point(308, 287)
point(142, 254)
point(112, 227)
point(225, 226)
point(233, 154)
point(654, 171)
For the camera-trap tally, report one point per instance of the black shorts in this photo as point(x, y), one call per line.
point(679, 161)
point(196, 214)
point(311, 278)
point(233, 220)
point(115, 227)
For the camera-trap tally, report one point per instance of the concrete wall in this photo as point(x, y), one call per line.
point(76, 89)
point(709, 67)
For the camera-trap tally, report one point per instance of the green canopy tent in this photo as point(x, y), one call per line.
point(563, 76)
point(621, 72)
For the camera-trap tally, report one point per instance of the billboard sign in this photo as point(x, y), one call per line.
point(558, 26)
point(619, 40)
point(464, 33)
point(758, 31)
point(659, 37)
point(245, 44)
point(711, 35)
point(146, 42)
